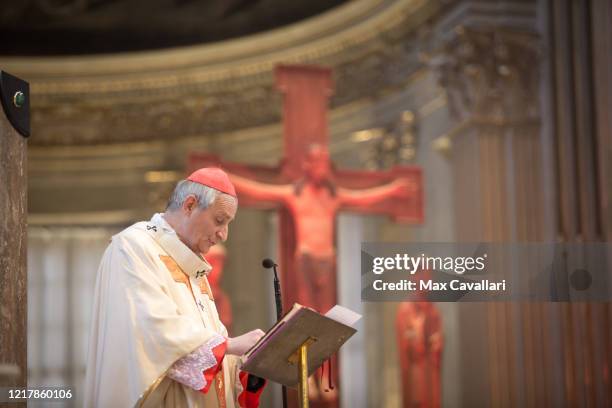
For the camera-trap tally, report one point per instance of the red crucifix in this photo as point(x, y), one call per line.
point(308, 191)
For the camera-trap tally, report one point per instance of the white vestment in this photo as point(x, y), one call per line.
point(152, 308)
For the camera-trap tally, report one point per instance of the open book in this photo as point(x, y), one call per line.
point(274, 356)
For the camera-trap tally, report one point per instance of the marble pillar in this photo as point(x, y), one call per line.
point(526, 86)
point(491, 75)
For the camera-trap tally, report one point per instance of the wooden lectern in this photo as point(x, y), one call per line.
point(296, 346)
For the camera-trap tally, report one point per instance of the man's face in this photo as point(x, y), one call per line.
point(205, 228)
point(317, 165)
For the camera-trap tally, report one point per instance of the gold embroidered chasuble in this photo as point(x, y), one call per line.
point(155, 321)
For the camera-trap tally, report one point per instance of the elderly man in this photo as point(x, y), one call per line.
point(156, 338)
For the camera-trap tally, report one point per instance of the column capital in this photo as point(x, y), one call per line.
point(490, 75)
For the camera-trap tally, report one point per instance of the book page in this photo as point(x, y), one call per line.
point(343, 315)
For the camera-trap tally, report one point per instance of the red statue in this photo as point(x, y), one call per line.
point(216, 258)
point(309, 192)
point(420, 341)
point(313, 202)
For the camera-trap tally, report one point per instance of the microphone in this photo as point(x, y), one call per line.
point(268, 264)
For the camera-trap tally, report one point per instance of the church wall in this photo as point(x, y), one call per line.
point(434, 122)
point(578, 39)
point(62, 266)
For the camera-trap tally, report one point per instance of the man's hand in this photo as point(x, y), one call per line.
point(241, 344)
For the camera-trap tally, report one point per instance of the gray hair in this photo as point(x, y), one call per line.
point(204, 195)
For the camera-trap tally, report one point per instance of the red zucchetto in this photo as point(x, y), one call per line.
point(213, 177)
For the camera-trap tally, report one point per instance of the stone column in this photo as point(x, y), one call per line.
point(579, 36)
point(491, 77)
point(14, 125)
point(529, 90)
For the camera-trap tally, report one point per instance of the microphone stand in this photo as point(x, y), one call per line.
point(279, 315)
point(277, 295)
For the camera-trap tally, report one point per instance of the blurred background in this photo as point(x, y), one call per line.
point(505, 105)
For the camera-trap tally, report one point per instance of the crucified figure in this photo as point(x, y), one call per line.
point(313, 202)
